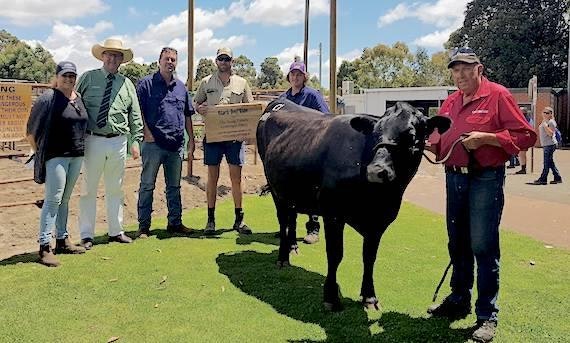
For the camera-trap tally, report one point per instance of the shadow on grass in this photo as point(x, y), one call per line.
point(163, 234)
point(297, 293)
point(264, 237)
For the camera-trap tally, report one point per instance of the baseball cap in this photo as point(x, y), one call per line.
point(297, 66)
point(65, 67)
point(463, 55)
point(224, 51)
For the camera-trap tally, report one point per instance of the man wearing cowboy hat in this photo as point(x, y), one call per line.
point(114, 114)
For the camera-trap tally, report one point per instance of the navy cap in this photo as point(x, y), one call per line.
point(65, 67)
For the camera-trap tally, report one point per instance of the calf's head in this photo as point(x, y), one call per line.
point(395, 141)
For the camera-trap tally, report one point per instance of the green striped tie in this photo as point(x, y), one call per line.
point(104, 109)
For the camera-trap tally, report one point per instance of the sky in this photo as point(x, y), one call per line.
point(254, 28)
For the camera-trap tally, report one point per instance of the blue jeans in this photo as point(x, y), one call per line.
point(548, 153)
point(474, 207)
point(152, 157)
point(61, 175)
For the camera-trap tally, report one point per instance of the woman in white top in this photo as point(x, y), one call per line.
point(548, 142)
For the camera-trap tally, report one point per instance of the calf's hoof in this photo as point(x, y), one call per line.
point(283, 264)
point(370, 303)
point(333, 307)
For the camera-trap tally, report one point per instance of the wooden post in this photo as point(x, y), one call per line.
point(332, 56)
point(189, 82)
point(306, 46)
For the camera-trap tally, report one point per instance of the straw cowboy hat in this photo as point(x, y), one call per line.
point(112, 45)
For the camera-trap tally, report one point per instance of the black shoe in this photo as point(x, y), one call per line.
point(122, 238)
point(87, 243)
point(553, 182)
point(537, 182)
point(485, 331)
point(511, 166)
point(521, 172)
point(450, 309)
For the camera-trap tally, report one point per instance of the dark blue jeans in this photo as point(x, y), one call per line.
point(548, 152)
point(474, 207)
point(152, 157)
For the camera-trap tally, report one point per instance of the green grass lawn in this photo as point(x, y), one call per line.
point(227, 288)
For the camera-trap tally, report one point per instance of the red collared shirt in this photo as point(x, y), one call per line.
point(492, 109)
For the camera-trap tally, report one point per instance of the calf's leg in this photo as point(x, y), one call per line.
point(287, 242)
point(369, 252)
point(334, 244)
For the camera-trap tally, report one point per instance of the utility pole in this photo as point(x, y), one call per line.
point(332, 56)
point(306, 45)
point(320, 66)
point(189, 82)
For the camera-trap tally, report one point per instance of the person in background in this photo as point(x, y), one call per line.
point(548, 142)
point(490, 126)
point(303, 95)
point(522, 153)
point(114, 114)
point(56, 131)
point(166, 109)
point(223, 87)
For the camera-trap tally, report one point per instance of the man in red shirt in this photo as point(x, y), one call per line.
point(488, 128)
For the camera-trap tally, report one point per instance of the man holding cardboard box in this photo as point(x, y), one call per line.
point(222, 88)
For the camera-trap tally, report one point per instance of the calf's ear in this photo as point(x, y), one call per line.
point(441, 123)
point(363, 124)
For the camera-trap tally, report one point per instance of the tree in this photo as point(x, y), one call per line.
point(205, 67)
point(517, 39)
point(135, 71)
point(243, 67)
point(346, 72)
point(20, 61)
point(271, 73)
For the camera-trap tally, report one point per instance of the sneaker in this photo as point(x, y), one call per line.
point(485, 331)
point(311, 237)
point(210, 228)
point(64, 246)
point(87, 243)
point(180, 229)
point(450, 309)
point(242, 228)
point(553, 182)
point(47, 258)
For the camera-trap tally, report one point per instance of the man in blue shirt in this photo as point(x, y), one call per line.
point(167, 110)
point(302, 95)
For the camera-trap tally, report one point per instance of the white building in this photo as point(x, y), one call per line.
point(375, 101)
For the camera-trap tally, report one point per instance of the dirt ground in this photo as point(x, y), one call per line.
point(19, 224)
point(540, 212)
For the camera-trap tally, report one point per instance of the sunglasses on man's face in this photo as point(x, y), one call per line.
point(224, 58)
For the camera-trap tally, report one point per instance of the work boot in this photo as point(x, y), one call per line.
point(311, 237)
point(242, 228)
point(210, 228)
point(555, 181)
point(64, 246)
point(179, 229)
point(87, 243)
point(485, 331)
point(47, 258)
point(450, 308)
point(522, 171)
point(142, 233)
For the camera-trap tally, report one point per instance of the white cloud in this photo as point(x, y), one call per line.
point(34, 12)
point(276, 13)
point(446, 15)
point(133, 12)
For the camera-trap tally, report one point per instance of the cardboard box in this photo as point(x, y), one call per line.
point(232, 122)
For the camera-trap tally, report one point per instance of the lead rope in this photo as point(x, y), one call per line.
point(443, 160)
